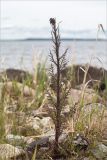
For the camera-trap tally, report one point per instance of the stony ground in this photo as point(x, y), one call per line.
point(28, 127)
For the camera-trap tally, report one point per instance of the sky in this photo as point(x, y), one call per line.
point(30, 19)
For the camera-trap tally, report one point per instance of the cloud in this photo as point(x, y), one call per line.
point(32, 17)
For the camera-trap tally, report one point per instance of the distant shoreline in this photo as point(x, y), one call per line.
point(48, 39)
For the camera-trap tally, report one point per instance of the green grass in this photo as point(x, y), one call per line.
point(38, 82)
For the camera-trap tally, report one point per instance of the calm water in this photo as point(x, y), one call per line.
point(25, 54)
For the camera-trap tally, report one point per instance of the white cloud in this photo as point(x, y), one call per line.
point(75, 15)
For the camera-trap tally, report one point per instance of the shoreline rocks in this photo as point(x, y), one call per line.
point(93, 73)
point(30, 123)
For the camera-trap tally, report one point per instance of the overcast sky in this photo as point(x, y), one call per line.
point(24, 19)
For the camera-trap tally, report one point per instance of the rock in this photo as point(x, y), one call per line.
point(80, 142)
point(102, 87)
point(40, 146)
point(34, 123)
point(93, 107)
point(45, 110)
point(77, 73)
point(42, 151)
point(27, 91)
point(104, 141)
point(100, 152)
point(29, 140)
point(47, 123)
point(11, 88)
point(15, 75)
point(95, 110)
point(8, 152)
point(15, 139)
point(86, 158)
point(75, 96)
point(17, 89)
point(51, 135)
point(40, 125)
point(65, 111)
point(45, 106)
point(25, 130)
point(42, 142)
point(63, 137)
point(38, 113)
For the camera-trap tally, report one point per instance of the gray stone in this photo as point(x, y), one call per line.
point(75, 96)
point(15, 139)
point(47, 123)
point(100, 152)
point(8, 152)
point(40, 125)
point(104, 142)
point(96, 107)
point(80, 142)
point(42, 142)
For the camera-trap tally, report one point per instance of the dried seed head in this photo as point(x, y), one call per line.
point(52, 21)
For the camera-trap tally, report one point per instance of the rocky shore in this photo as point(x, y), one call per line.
point(28, 131)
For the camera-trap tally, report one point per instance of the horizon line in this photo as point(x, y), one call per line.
point(48, 39)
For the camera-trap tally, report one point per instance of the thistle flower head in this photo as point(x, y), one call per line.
point(52, 21)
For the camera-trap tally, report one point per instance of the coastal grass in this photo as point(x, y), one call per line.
point(90, 125)
point(14, 95)
point(80, 121)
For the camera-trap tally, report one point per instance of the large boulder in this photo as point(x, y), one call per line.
point(77, 74)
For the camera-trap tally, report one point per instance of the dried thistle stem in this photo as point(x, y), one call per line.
point(58, 62)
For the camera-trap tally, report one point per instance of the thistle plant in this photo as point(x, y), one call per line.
point(58, 95)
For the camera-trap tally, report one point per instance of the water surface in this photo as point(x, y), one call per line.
point(25, 54)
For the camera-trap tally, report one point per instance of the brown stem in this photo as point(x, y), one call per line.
point(58, 110)
point(59, 62)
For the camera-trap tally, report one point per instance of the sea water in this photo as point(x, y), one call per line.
point(25, 54)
